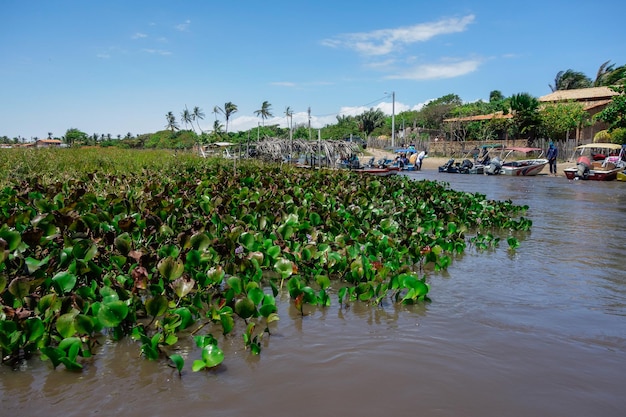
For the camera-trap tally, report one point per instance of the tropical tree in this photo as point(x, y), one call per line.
point(217, 128)
point(370, 120)
point(229, 110)
point(526, 117)
point(433, 113)
point(559, 119)
point(74, 136)
point(217, 110)
point(614, 114)
point(608, 75)
point(569, 80)
point(197, 115)
point(186, 117)
point(264, 112)
point(289, 115)
point(496, 95)
point(171, 121)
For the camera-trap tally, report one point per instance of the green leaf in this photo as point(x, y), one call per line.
point(20, 287)
point(178, 361)
point(65, 325)
point(248, 241)
point(64, 282)
point(212, 356)
point(113, 313)
point(236, 284)
point(34, 329)
point(156, 306)
point(244, 307)
point(198, 365)
point(171, 268)
point(284, 267)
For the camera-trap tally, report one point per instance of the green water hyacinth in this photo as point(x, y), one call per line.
point(157, 246)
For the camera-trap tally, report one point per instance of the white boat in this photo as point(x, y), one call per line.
point(523, 167)
point(597, 162)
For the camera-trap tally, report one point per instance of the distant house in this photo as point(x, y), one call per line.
point(594, 100)
point(48, 143)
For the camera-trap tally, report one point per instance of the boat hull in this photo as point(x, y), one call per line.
point(524, 168)
point(594, 174)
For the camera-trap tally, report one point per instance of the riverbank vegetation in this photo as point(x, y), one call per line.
point(159, 246)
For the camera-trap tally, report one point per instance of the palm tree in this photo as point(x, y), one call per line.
point(217, 127)
point(198, 115)
point(570, 80)
point(229, 109)
point(608, 75)
point(171, 121)
point(289, 114)
point(186, 117)
point(370, 120)
point(526, 115)
point(216, 111)
point(264, 111)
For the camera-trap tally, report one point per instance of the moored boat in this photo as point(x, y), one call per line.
point(589, 166)
point(523, 167)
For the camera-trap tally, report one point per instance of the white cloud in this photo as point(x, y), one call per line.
point(183, 27)
point(438, 71)
point(385, 41)
point(103, 56)
point(283, 83)
point(157, 52)
point(139, 35)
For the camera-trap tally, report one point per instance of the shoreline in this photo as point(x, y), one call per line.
point(434, 162)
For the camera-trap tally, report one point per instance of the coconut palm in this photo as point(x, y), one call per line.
point(198, 115)
point(289, 114)
point(569, 80)
point(265, 111)
point(608, 75)
point(186, 117)
point(229, 109)
point(171, 121)
point(217, 127)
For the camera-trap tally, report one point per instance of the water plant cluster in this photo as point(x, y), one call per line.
point(158, 246)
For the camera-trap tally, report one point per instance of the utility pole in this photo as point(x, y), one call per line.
point(309, 112)
point(393, 119)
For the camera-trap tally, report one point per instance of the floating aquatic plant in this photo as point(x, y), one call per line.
point(157, 247)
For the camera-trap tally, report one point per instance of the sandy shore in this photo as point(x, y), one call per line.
point(434, 162)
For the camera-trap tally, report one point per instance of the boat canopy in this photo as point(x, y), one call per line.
point(522, 149)
point(614, 146)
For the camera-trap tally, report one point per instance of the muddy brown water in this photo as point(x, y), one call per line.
point(536, 332)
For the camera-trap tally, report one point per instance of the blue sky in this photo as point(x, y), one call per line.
point(119, 66)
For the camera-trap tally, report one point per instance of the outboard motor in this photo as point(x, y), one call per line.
point(583, 165)
point(446, 167)
point(466, 165)
point(494, 167)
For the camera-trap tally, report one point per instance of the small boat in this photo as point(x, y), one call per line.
point(590, 165)
point(621, 176)
point(465, 167)
point(371, 167)
point(523, 167)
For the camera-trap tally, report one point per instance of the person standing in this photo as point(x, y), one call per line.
point(551, 155)
point(420, 159)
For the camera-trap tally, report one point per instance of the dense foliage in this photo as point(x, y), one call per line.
point(157, 246)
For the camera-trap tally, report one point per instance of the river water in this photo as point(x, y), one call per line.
point(539, 331)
